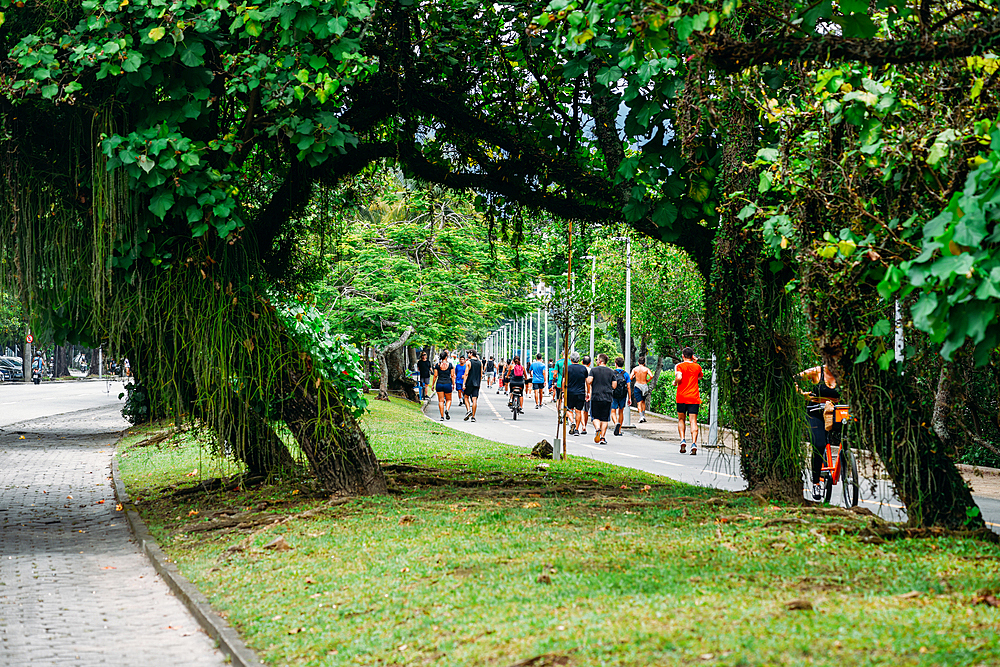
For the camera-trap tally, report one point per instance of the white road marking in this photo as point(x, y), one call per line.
point(669, 463)
point(629, 455)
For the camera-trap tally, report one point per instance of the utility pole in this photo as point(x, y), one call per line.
point(559, 449)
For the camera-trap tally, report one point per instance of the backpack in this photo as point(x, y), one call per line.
point(620, 391)
point(519, 371)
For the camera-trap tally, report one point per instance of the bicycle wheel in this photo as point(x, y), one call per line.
point(514, 410)
point(849, 477)
point(826, 481)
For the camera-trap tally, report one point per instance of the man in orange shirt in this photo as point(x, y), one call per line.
point(686, 377)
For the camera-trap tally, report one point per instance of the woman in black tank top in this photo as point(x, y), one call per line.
point(444, 382)
point(825, 390)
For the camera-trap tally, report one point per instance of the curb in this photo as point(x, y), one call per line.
point(229, 641)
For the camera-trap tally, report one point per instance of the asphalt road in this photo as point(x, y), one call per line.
point(23, 401)
point(710, 467)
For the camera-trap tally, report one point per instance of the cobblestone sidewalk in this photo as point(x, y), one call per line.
point(74, 588)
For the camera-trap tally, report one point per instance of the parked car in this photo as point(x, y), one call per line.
point(4, 375)
point(14, 366)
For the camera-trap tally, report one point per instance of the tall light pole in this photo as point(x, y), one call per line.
point(628, 316)
point(593, 295)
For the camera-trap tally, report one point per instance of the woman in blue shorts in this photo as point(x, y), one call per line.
point(459, 378)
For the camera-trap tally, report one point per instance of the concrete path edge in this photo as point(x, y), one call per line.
point(214, 625)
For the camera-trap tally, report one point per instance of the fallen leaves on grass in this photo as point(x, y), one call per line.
point(987, 598)
point(799, 605)
point(544, 578)
point(544, 660)
point(192, 473)
point(278, 544)
point(407, 519)
point(911, 595)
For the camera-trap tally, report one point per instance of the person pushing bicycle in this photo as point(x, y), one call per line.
point(821, 415)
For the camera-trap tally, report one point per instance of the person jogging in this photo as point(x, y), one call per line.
point(641, 376)
point(460, 378)
point(424, 370)
point(576, 393)
point(473, 379)
point(444, 382)
point(687, 374)
point(586, 403)
point(538, 380)
point(620, 395)
point(601, 382)
point(490, 371)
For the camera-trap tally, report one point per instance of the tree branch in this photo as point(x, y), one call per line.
point(732, 56)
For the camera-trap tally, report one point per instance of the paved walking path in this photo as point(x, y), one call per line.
point(655, 447)
point(74, 588)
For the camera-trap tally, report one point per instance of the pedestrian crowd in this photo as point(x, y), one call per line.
point(597, 394)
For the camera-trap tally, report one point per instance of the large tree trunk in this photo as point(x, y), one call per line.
point(60, 361)
point(249, 438)
point(392, 349)
point(325, 429)
point(752, 314)
point(895, 416)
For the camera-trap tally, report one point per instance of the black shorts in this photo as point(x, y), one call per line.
point(538, 385)
point(600, 411)
point(575, 401)
point(472, 392)
point(558, 392)
point(688, 408)
point(443, 389)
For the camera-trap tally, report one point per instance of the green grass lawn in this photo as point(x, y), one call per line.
point(479, 556)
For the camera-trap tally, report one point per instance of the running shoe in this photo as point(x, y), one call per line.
point(694, 450)
point(572, 430)
point(603, 441)
point(446, 415)
point(642, 421)
point(684, 446)
point(618, 429)
point(473, 419)
point(442, 418)
point(597, 437)
point(583, 432)
point(817, 492)
point(468, 415)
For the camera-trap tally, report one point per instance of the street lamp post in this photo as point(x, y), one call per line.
point(593, 294)
point(628, 316)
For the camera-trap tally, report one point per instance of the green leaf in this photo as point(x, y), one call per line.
point(161, 204)
point(941, 146)
point(50, 91)
point(768, 154)
point(156, 34)
point(866, 352)
point(747, 211)
point(857, 25)
point(766, 179)
point(886, 359)
point(881, 328)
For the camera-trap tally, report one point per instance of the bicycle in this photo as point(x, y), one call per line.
point(842, 468)
point(516, 391)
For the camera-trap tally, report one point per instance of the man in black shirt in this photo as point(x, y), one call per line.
point(602, 384)
point(424, 369)
point(491, 371)
point(473, 379)
point(576, 391)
